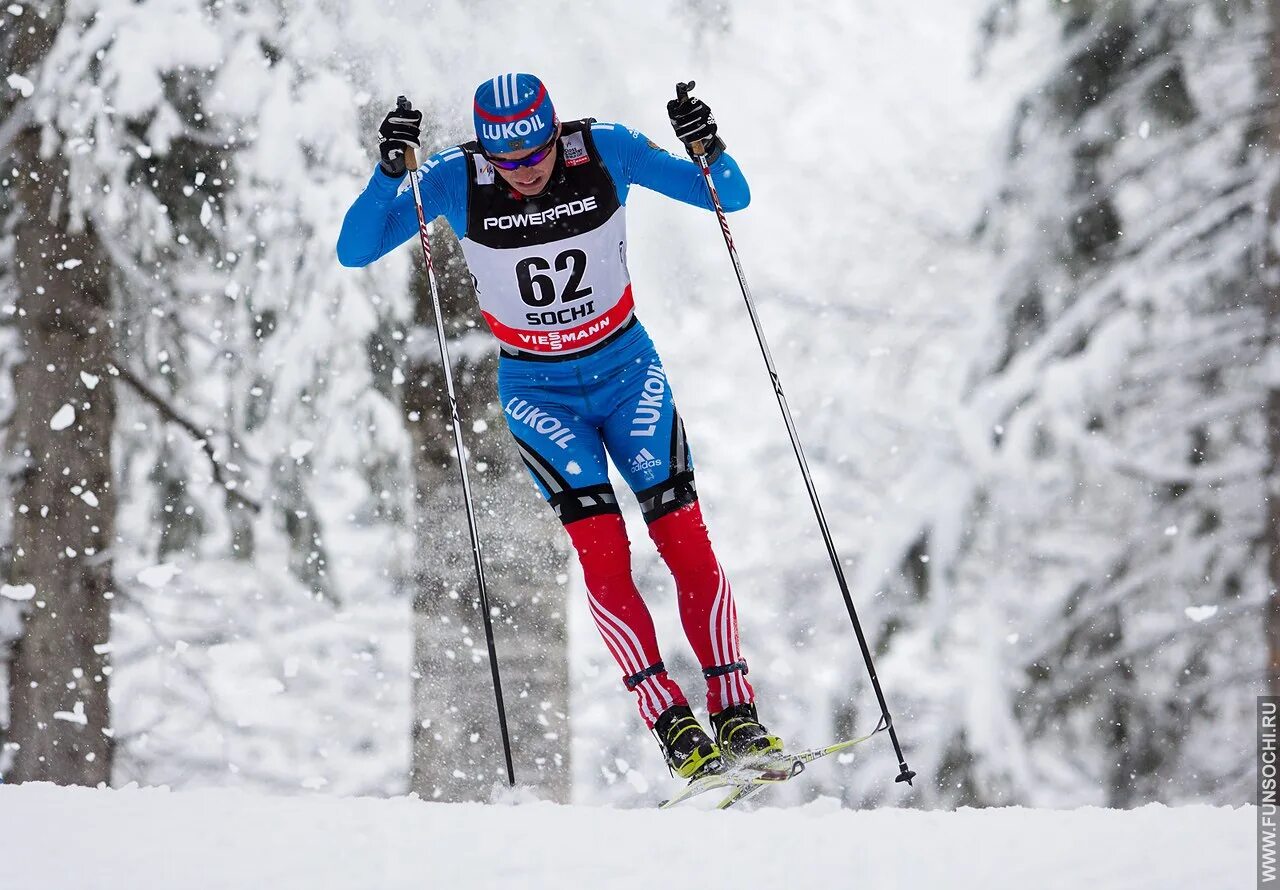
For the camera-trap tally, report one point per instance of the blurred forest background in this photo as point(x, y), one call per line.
point(1017, 263)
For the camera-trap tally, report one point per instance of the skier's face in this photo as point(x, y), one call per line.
point(532, 179)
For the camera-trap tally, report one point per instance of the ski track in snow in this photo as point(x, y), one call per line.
point(55, 838)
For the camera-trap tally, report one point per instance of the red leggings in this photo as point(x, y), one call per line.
point(707, 610)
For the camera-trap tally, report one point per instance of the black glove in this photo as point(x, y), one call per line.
point(400, 128)
point(692, 121)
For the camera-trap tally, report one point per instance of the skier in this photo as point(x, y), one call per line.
point(539, 207)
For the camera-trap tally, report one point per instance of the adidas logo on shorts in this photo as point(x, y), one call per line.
point(644, 461)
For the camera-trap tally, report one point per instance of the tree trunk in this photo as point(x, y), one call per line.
point(457, 746)
point(64, 523)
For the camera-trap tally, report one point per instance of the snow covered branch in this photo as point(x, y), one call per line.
point(221, 473)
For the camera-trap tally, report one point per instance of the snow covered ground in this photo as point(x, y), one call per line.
point(53, 838)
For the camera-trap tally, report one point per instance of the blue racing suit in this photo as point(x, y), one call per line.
point(578, 374)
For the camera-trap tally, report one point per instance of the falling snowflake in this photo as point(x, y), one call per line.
point(64, 418)
point(75, 715)
point(22, 85)
point(1200, 613)
point(19, 592)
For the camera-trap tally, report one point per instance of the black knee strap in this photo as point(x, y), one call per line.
point(573, 504)
point(651, 671)
point(667, 497)
point(721, 669)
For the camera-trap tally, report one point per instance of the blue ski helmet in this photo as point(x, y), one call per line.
point(513, 112)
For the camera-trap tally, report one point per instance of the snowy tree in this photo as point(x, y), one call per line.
point(58, 279)
point(1107, 584)
point(132, 142)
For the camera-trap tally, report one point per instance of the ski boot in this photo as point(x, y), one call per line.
point(741, 736)
point(689, 751)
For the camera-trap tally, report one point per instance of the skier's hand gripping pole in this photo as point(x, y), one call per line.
point(399, 133)
point(691, 118)
point(682, 99)
point(411, 165)
point(694, 125)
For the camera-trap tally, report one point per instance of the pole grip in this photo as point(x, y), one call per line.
point(682, 95)
point(410, 153)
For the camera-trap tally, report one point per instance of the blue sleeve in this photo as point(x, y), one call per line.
point(632, 157)
point(380, 220)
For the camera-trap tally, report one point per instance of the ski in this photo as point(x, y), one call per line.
point(799, 760)
point(742, 776)
point(748, 780)
point(739, 795)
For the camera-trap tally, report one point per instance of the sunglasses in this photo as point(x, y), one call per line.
point(531, 161)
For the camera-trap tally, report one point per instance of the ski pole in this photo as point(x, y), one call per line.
point(905, 774)
point(411, 162)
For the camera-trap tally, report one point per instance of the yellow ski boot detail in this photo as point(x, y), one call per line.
point(687, 748)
